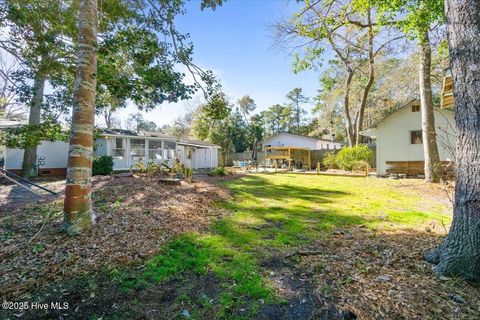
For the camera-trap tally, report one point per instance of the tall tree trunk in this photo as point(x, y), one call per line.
point(368, 85)
point(430, 149)
point(459, 253)
point(107, 115)
point(78, 213)
point(297, 116)
point(346, 108)
point(29, 165)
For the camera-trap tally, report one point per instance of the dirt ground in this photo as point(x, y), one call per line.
point(13, 196)
point(379, 275)
point(354, 273)
point(135, 214)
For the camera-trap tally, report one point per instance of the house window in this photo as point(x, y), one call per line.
point(169, 150)
point(416, 137)
point(118, 148)
point(416, 108)
point(137, 148)
point(155, 150)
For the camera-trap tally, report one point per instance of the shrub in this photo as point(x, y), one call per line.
point(330, 160)
point(102, 166)
point(218, 171)
point(360, 166)
point(188, 174)
point(347, 157)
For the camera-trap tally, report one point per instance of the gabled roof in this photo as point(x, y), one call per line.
point(156, 134)
point(132, 133)
point(370, 130)
point(388, 114)
point(197, 143)
point(300, 136)
point(11, 123)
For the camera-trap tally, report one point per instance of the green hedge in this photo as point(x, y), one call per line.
point(102, 166)
point(330, 161)
point(351, 158)
point(218, 171)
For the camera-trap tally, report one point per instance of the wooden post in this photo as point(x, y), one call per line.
point(309, 160)
point(318, 167)
point(289, 160)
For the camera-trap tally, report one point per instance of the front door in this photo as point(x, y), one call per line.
point(181, 154)
point(189, 156)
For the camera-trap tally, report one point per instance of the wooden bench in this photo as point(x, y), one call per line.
point(410, 168)
point(414, 168)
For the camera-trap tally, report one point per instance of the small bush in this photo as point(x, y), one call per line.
point(330, 160)
point(218, 171)
point(347, 158)
point(102, 166)
point(187, 173)
point(360, 166)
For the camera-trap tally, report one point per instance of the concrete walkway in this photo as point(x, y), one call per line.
point(13, 196)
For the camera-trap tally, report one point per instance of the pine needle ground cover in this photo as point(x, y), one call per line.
point(286, 247)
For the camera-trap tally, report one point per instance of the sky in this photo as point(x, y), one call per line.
point(236, 43)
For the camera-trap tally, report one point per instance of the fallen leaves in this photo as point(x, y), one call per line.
point(382, 275)
point(136, 215)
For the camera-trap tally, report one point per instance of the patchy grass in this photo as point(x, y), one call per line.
point(288, 210)
point(279, 213)
point(248, 264)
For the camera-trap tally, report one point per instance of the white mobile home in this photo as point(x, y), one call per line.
point(128, 147)
point(51, 156)
point(399, 139)
point(51, 159)
point(293, 140)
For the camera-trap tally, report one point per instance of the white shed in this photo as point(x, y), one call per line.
point(399, 137)
point(293, 140)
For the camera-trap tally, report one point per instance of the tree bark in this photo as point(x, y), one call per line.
point(107, 115)
point(29, 164)
point(78, 213)
point(459, 253)
point(346, 108)
point(430, 149)
point(368, 86)
point(297, 116)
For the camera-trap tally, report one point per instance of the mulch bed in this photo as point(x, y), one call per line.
point(375, 275)
point(135, 216)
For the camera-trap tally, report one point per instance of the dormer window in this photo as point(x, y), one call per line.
point(416, 108)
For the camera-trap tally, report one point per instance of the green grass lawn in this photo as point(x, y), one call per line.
point(281, 213)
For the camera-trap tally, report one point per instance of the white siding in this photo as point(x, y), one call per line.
point(54, 154)
point(200, 158)
point(289, 140)
point(214, 157)
point(393, 137)
point(100, 147)
point(282, 140)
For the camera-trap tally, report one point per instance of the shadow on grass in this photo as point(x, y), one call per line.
point(209, 281)
point(243, 256)
point(236, 245)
